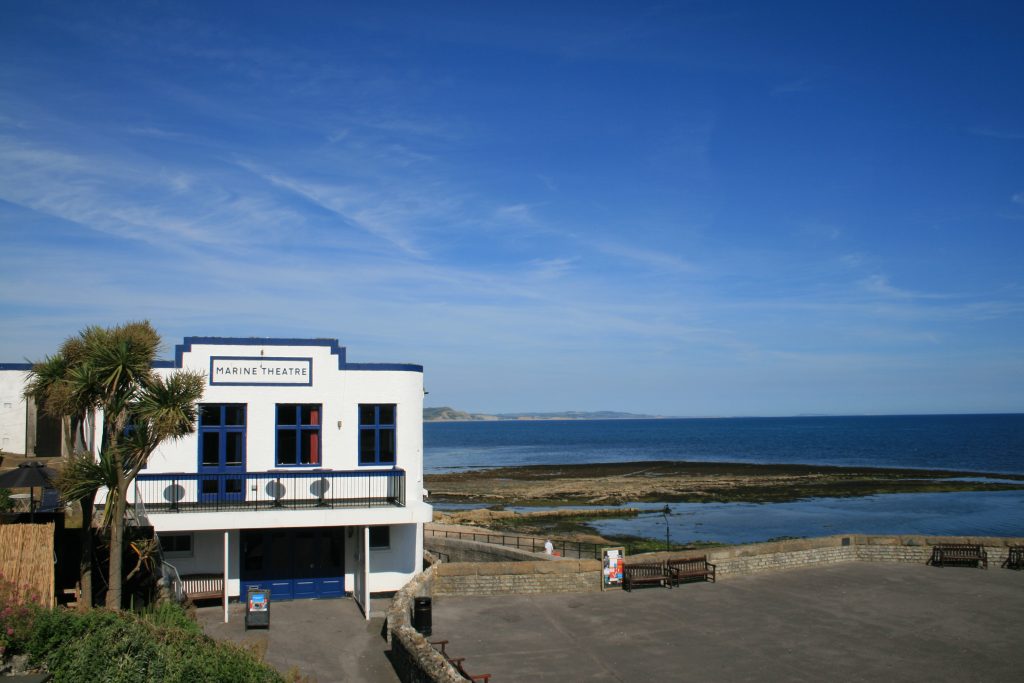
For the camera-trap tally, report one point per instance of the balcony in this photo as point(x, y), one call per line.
point(192, 492)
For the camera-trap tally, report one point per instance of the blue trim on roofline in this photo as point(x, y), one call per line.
point(15, 366)
point(181, 349)
point(340, 351)
point(400, 367)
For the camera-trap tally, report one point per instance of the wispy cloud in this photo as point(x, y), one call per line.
point(661, 260)
point(880, 285)
point(515, 213)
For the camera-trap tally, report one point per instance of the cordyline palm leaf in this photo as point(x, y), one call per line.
point(47, 385)
point(81, 477)
point(120, 358)
point(168, 406)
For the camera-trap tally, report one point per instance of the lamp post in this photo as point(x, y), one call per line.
point(666, 512)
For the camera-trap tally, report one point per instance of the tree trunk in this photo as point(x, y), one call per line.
point(117, 547)
point(85, 563)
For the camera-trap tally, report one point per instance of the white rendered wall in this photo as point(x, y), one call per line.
point(339, 392)
point(12, 411)
point(208, 557)
point(391, 568)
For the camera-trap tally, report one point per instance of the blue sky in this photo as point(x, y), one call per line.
point(693, 208)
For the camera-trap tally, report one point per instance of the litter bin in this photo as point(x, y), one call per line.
point(421, 615)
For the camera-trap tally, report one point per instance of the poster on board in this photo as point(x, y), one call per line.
point(612, 562)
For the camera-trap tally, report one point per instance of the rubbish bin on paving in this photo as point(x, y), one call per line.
point(421, 615)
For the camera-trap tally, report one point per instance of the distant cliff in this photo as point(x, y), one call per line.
point(446, 414)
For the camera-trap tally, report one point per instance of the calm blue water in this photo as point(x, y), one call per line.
point(982, 443)
point(979, 443)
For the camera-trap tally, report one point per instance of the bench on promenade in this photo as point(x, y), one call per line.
point(1015, 557)
point(691, 568)
point(958, 555)
point(645, 574)
point(203, 586)
point(457, 662)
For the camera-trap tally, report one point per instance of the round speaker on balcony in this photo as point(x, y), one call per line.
point(319, 487)
point(275, 490)
point(174, 493)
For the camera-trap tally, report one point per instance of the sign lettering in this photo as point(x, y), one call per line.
point(258, 370)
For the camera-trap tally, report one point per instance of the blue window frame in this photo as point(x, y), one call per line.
point(221, 451)
point(298, 434)
point(377, 434)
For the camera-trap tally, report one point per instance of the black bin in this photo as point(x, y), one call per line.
point(421, 615)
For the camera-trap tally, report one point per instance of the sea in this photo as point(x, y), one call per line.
point(989, 444)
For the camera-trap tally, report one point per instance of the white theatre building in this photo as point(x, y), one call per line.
point(304, 475)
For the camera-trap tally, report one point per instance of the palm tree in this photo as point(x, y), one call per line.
point(55, 384)
point(109, 370)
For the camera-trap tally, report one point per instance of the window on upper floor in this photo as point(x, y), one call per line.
point(298, 434)
point(376, 434)
point(221, 436)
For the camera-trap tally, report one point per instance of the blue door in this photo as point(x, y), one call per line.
point(295, 563)
point(221, 452)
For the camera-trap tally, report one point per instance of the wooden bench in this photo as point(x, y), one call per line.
point(645, 574)
point(457, 662)
point(959, 554)
point(203, 586)
point(691, 568)
point(1015, 557)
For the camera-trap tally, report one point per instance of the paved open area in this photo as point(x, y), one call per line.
point(849, 622)
point(325, 640)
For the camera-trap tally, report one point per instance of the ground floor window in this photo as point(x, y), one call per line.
point(176, 545)
point(380, 537)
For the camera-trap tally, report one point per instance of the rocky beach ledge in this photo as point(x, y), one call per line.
point(680, 481)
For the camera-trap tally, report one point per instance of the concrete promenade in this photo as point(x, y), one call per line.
point(325, 640)
point(855, 621)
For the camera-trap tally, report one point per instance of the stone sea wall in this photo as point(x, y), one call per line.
point(503, 578)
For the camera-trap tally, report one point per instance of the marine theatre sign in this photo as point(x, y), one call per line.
point(247, 371)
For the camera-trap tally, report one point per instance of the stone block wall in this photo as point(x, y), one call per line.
point(504, 578)
point(918, 549)
point(414, 659)
point(809, 552)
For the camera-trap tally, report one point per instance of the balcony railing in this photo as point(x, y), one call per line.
point(191, 492)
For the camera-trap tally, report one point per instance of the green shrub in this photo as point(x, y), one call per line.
point(120, 647)
point(169, 614)
point(18, 613)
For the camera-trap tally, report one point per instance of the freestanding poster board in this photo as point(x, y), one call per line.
point(612, 562)
point(257, 608)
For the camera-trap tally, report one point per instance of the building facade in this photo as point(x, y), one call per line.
point(304, 474)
